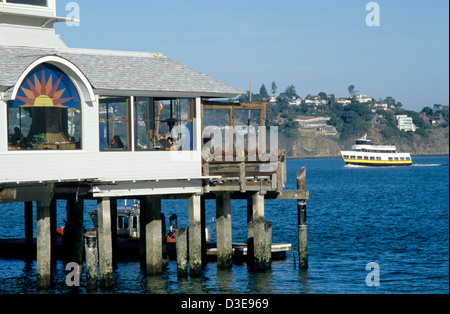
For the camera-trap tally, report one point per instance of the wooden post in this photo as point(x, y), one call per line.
point(302, 224)
point(43, 244)
point(91, 260)
point(182, 252)
point(105, 243)
point(195, 236)
point(28, 228)
point(224, 230)
point(153, 234)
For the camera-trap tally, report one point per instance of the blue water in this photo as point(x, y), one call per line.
point(395, 217)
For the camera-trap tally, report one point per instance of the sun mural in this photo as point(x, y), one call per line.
point(47, 87)
point(47, 108)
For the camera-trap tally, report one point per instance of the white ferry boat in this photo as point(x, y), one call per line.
point(364, 153)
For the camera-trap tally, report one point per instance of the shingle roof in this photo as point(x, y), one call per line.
point(118, 71)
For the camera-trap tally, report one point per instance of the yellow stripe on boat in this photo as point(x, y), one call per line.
point(378, 162)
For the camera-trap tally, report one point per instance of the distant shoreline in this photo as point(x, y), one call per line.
point(334, 157)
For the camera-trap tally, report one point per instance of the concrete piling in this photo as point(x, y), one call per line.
point(195, 236)
point(153, 235)
point(259, 233)
point(224, 230)
point(43, 244)
point(268, 247)
point(182, 252)
point(105, 243)
point(91, 251)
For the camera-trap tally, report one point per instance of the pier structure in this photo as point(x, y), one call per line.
point(78, 124)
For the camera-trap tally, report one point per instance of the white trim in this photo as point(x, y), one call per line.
point(77, 77)
point(171, 94)
point(4, 127)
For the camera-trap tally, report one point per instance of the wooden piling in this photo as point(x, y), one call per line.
point(153, 235)
point(182, 252)
point(43, 244)
point(302, 223)
point(224, 230)
point(91, 260)
point(105, 243)
point(195, 236)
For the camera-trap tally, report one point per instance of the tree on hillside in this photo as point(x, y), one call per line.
point(390, 101)
point(351, 90)
point(274, 88)
point(427, 110)
point(290, 92)
point(323, 96)
point(263, 92)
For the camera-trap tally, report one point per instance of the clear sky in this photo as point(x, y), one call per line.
point(315, 45)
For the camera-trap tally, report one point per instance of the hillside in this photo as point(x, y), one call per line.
point(314, 145)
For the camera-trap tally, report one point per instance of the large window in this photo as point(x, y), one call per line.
point(42, 3)
point(163, 124)
point(46, 114)
point(114, 115)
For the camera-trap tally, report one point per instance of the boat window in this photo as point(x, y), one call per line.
point(114, 116)
point(402, 158)
point(168, 118)
point(352, 157)
point(372, 158)
point(346, 156)
point(46, 114)
point(378, 158)
point(407, 158)
point(390, 158)
point(366, 157)
point(360, 157)
point(396, 158)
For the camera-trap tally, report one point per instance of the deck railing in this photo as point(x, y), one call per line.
point(248, 174)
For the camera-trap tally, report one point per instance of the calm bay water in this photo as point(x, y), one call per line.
point(395, 217)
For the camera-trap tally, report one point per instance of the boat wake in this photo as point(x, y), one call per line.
point(429, 165)
point(356, 166)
